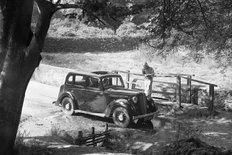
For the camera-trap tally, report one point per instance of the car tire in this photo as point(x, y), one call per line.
point(152, 106)
point(68, 106)
point(121, 117)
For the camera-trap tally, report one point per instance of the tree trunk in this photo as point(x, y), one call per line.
point(19, 56)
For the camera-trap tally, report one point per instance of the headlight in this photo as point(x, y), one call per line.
point(135, 99)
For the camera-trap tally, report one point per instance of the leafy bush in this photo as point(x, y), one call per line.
point(129, 29)
point(57, 132)
point(80, 45)
point(73, 28)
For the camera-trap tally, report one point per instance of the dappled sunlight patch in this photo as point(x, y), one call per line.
point(141, 146)
point(214, 134)
point(224, 121)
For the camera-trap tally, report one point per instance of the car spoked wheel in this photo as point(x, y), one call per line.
point(121, 117)
point(68, 106)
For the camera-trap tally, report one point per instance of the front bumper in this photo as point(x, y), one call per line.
point(148, 116)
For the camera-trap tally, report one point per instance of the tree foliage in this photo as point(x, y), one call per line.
point(197, 24)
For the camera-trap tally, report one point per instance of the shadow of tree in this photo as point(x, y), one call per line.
point(53, 145)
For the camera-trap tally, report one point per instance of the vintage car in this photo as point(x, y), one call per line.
point(103, 94)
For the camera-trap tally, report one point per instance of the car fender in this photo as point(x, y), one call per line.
point(67, 94)
point(119, 103)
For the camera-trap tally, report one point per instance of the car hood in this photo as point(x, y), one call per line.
point(122, 92)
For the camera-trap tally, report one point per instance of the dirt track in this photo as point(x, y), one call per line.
point(39, 115)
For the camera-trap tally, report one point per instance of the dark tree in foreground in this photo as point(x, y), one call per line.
point(20, 53)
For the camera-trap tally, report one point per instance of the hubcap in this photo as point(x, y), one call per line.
point(120, 117)
point(67, 106)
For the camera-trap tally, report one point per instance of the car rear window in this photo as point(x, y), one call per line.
point(70, 79)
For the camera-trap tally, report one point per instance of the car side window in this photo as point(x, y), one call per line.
point(80, 80)
point(116, 81)
point(93, 83)
point(106, 82)
point(111, 81)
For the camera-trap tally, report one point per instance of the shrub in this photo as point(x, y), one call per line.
point(57, 132)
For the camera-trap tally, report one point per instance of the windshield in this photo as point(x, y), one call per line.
point(112, 82)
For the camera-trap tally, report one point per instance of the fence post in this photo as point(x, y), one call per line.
point(211, 97)
point(189, 89)
point(128, 79)
point(80, 140)
point(93, 134)
point(178, 90)
point(107, 127)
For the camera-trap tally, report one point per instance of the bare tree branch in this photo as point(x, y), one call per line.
point(58, 2)
point(46, 9)
point(203, 13)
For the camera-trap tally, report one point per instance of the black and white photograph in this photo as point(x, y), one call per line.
point(115, 77)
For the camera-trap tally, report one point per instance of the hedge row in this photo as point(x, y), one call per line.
point(80, 45)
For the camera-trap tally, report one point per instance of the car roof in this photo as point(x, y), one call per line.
point(97, 74)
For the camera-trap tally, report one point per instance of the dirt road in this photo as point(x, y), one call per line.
point(40, 116)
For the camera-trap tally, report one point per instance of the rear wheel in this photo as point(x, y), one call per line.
point(68, 106)
point(121, 117)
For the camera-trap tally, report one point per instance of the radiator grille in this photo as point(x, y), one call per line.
point(142, 103)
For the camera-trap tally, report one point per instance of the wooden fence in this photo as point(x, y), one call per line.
point(93, 139)
point(130, 84)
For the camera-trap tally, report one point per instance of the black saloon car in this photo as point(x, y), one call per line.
point(103, 94)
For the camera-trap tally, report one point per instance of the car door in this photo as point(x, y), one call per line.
point(78, 90)
point(95, 100)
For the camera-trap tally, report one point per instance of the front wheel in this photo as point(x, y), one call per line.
point(68, 106)
point(152, 106)
point(121, 117)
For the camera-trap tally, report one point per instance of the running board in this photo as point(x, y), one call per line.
point(90, 113)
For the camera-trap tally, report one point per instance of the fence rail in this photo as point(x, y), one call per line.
point(178, 85)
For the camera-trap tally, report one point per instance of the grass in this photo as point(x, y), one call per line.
point(133, 60)
point(23, 147)
point(26, 145)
